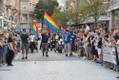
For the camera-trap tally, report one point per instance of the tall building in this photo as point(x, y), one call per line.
point(9, 13)
point(1, 7)
point(26, 12)
point(16, 13)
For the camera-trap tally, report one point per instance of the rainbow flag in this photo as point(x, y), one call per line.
point(50, 22)
point(10, 46)
point(35, 30)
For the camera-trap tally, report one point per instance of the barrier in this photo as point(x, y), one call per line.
point(110, 55)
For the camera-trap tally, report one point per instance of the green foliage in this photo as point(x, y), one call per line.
point(85, 9)
point(60, 17)
point(94, 9)
point(77, 13)
point(82, 9)
point(45, 5)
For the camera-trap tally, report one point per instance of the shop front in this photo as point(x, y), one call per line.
point(6, 24)
point(114, 14)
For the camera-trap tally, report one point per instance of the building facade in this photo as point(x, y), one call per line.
point(114, 14)
point(27, 9)
point(9, 13)
point(24, 14)
point(16, 13)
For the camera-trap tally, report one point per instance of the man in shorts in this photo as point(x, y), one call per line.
point(44, 44)
point(67, 43)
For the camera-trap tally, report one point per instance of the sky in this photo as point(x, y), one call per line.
point(61, 2)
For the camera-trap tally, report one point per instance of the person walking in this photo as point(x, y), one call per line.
point(67, 43)
point(44, 45)
point(25, 45)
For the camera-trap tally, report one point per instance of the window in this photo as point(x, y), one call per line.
point(24, 17)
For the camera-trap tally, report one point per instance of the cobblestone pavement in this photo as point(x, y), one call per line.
point(55, 67)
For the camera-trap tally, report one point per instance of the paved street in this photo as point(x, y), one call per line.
point(52, 57)
point(88, 27)
point(55, 67)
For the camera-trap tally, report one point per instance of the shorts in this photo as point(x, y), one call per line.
point(88, 49)
point(67, 46)
point(99, 51)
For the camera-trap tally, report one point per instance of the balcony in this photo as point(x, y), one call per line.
point(8, 3)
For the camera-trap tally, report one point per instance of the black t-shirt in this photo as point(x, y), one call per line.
point(24, 38)
point(100, 44)
point(44, 38)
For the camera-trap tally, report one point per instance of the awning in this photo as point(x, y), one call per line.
point(92, 20)
point(89, 20)
point(114, 7)
point(104, 18)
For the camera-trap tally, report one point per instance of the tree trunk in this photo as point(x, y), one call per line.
point(95, 23)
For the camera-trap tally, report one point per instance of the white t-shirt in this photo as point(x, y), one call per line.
point(32, 37)
point(56, 37)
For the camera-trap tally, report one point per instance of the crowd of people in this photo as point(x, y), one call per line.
point(87, 43)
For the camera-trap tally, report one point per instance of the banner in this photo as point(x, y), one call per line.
point(110, 55)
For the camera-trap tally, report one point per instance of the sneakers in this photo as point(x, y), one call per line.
point(24, 58)
point(10, 65)
point(66, 54)
point(46, 55)
point(71, 54)
point(84, 58)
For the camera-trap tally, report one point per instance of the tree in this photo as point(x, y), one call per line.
point(74, 11)
point(69, 14)
point(85, 8)
point(44, 5)
point(60, 16)
point(94, 8)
